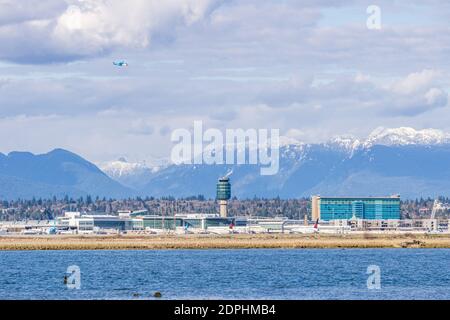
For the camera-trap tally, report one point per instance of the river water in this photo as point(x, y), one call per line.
point(227, 274)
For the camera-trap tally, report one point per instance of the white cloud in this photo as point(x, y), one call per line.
point(88, 28)
point(436, 97)
point(16, 12)
point(141, 127)
point(414, 94)
point(417, 93)
point(239, 64)
point(416, 81)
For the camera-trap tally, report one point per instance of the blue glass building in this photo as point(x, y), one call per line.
point(370, 208)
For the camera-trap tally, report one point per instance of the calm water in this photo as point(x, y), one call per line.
point(227, 274)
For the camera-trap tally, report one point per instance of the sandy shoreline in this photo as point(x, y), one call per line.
point(242, 241)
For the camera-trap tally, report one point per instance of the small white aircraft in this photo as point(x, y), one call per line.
point(120, 63)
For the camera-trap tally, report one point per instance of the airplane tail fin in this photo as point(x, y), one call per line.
point(316, 225)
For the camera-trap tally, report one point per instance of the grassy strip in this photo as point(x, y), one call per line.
point(221, 242)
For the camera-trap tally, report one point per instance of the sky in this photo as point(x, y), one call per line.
point(311, 68)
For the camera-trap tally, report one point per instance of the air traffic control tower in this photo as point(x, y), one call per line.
point(223, 194)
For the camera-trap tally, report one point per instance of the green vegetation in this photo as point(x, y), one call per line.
point(45, 209)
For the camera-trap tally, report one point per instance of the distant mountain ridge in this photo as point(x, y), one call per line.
point(412, 171)
point(393, 137)
point(412, 163)
point(402, 160)
point(57, 173)
point(132, 174)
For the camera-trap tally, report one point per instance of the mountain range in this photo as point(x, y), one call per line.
point(412, 163)
point(55, 174)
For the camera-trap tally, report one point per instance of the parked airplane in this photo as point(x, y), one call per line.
point(306, 229)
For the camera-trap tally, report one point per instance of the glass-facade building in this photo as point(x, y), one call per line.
point(159, 222)
point(223, 189)
point(371, 208)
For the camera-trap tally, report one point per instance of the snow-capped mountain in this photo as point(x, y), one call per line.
point(391, 137)
point(347, 144)
point(131, 174)
point(122, 167)
point(406, 136)
point(395, 160)
point(412, 163)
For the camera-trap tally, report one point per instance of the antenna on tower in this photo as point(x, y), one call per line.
point(228, 174)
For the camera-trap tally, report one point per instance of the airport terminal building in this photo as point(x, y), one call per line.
point(346, 208)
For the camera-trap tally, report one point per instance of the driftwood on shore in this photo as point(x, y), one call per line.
point(235, 241)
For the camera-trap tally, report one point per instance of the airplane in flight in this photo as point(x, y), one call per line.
point(120, 63)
